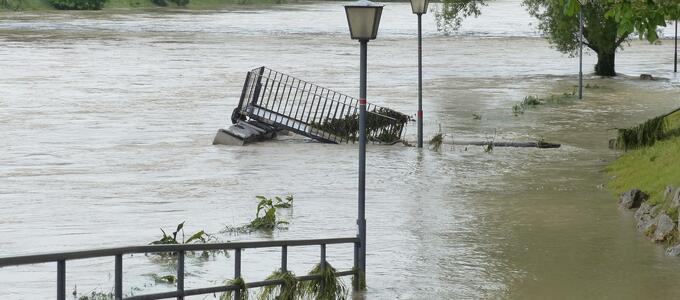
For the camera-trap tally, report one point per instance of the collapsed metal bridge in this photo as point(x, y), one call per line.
point(282, 101)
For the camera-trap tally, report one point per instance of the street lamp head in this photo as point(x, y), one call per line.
point(363, 18)
point(419, 7)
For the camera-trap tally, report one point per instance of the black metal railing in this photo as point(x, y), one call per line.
point(308, 109)
point(180, 250)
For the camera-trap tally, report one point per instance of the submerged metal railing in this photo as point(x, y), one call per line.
point(180, 250)
point(307, 109)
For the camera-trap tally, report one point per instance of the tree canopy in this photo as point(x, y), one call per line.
point(607, 23)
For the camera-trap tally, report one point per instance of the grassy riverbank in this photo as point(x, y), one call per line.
point(27, 5)
point(650, 168)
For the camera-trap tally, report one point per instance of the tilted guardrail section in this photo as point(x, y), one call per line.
point(180, 250)
point(310, 110)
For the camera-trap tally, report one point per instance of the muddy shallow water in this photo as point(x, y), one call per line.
point(107, 120)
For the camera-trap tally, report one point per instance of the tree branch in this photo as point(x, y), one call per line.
point(622, 39)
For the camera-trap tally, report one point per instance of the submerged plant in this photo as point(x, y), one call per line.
point(172, 239)
point(267, 221)
point(333, 287)
point(242, 288)
point(289, 290)
point(286, 202)
point(437, 140)
point(167, 239)
point(265, 215)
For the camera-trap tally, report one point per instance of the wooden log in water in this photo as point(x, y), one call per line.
point(542, 145)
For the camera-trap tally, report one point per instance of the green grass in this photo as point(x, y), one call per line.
point(649, 169)
point(649, 132)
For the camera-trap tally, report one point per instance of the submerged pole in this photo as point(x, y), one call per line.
point(420, 82)
point(675, 57)
point(361, 218)
point(580, 52)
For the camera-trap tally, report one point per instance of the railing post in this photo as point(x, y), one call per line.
point(355, 279)
point(284, 259)
point(61, 280)
point(180, 275)
point(258, 87)
point(118, 285)
point(322, 267)
point(237, 272)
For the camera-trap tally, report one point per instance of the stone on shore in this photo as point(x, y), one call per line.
point(673, 251)
point(645, 216)
point(632, 199)
point(664, 227)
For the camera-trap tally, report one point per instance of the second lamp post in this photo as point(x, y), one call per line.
point(419, 8)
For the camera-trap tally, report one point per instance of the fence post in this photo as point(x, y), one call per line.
point(284, 259)
point(322, 268)
point(237, 272)
point(355, 279)
point(61, 280)
point(180, 275)
point(118, 285)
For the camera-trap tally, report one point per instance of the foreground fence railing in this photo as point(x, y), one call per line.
point(180, 249)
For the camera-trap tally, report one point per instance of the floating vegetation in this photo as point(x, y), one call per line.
point(290, 289)
point(265, 216)
point(101, 295)
point(95, 295)
point(476, 116)
point(592, 86)
point(533, 101)
point(382, 125)
point(287, 202)
point(243, 290)
point(333, 287)
point(166, 279)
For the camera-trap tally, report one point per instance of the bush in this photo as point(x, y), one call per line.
point(77, 4)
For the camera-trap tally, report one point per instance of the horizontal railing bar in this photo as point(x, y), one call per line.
point(225, 288)
point(94, 253)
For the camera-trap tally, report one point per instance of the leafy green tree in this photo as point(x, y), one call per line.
point(608, 24)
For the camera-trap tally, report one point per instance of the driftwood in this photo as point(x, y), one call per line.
point(538, 144)
point(542, 145)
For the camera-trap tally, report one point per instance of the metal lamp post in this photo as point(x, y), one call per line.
point(419, 7)
point(675, 57)
point(363, 18)
point(580, 48)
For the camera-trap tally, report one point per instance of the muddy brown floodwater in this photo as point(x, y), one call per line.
point(107, 119)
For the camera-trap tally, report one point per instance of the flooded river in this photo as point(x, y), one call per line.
point(107, 119)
